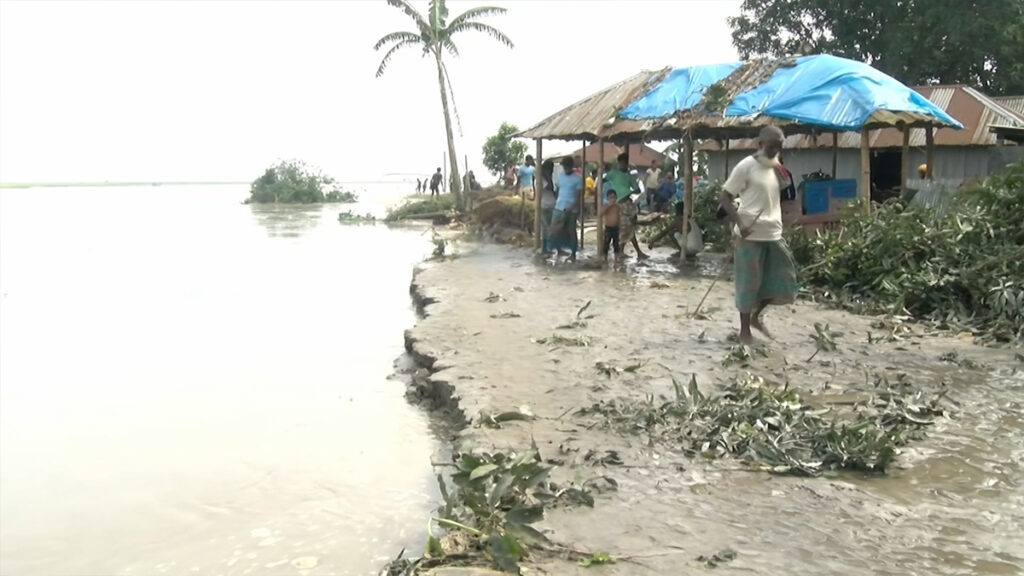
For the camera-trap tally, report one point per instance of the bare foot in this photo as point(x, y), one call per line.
point(756, 324)
point(641, 256)
point(747, 339)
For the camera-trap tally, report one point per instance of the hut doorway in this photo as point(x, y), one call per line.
point(886, 170)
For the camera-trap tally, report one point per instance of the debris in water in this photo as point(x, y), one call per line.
point(717, 558)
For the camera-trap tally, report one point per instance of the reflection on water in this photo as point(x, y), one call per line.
point(190, 385)
point(286, 221)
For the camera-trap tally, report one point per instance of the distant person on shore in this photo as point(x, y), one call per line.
point(524, 178)
point(548, 198)
point(419, 186)
point(612, 211)
point(435, 183)
point(763, 265)
point(563, 219)
point(625, 185)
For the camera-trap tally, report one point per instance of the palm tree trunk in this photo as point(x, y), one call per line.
point(456, 181)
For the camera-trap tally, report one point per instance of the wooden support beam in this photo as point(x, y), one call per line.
point(583, 171)
point(725, 174)
point(599, 192)
point(905, 160)
point(537, 241)
point(688, 187)
point(835, 155)
point(929, 135)
point(865, 169)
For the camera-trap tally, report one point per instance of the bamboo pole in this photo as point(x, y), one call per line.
point(929, 135)
point(725, 175)
point(599, 192)
point(905, 161)
point(688, 183)
point(865, 169)
point(537, 242)
point(583, 170)
point(444, 168)
point(835, 155)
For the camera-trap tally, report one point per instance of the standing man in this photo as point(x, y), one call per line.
point(763, 265)
point(435, 183)
point(652, 182)
point(625, 185)
point(524, 178)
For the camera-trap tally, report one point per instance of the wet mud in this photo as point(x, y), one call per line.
point(953, 503)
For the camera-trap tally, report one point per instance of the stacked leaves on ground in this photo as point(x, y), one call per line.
point(961, 268)
point(774, 428)
point(491, 502)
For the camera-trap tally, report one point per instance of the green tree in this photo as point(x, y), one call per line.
point(979, 43)
point(294, 182)
point(435, 35)
point(503, 150)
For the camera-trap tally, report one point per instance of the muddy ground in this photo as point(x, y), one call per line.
point(952, 504)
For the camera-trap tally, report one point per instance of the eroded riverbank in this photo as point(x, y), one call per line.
point(952, 504)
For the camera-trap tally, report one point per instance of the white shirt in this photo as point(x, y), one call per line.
point(757, 187)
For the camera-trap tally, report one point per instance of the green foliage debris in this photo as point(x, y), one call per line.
point(422, 208)
point(774, 428)
point(961, 269)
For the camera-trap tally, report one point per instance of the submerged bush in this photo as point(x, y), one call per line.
point(961, 268)
point(426, 208)
point(293, 182)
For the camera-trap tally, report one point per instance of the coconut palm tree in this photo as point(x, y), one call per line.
point(434, 35)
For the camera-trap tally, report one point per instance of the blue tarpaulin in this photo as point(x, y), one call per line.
point(826, 91)
point(682, 89)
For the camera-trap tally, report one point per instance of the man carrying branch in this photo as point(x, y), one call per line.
point(763, 265)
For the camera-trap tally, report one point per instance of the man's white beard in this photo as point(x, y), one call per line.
point(765, 161)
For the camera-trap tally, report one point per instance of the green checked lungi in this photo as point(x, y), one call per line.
point(764, 272)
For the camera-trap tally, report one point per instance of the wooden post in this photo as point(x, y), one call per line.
point(688, 187)
point(865, 169)
point(835, 155)
point(929, 135)
point(599, 192)
point(467, 188)
point(537, 242)
point(726, 171)
point(905, 174)
point(583, 171)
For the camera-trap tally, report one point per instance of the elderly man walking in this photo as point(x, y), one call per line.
point(763, 264)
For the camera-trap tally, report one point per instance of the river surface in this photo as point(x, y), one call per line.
point(189, 385)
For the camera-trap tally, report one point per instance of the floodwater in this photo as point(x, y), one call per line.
point(189, 385)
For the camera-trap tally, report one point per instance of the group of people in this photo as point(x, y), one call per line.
point(751, 203)
point(560, 205)
point(434, 182)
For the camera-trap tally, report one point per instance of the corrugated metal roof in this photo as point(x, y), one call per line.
point(975, 110)
point(1014, 104)
point(595, 115)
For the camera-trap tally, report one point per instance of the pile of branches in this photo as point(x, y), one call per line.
point(961, 268)
point(775, 429)
point(504, 211)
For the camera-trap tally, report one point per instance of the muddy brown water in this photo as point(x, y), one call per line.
point(952, 504)
point(193, 386)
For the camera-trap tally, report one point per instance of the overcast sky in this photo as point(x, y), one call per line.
point(203, 90)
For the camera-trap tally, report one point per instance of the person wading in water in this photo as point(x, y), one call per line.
point(763, 265)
